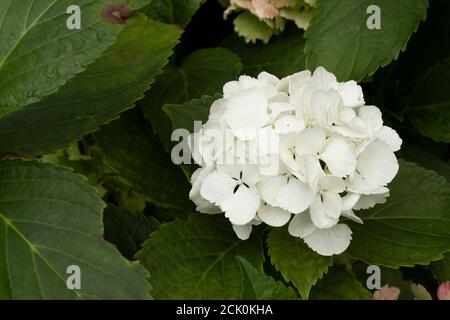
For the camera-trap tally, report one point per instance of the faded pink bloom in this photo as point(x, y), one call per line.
point(443, 291)
point(264, 9)
point(386, 293)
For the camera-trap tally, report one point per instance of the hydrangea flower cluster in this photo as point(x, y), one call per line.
point(260, 19)
point(304, 147)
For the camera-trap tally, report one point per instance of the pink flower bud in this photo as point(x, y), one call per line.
point(386, 293)
point(443, 291)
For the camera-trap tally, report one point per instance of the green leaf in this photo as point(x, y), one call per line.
point(339, 39)
point(38, 53)
point(196, 259)
point(282, 57)
point(441, 269)
point(107, 87)
point(414, 152)
point(413, 227)
point(184, 115)
point(204, 72)
point(49, 220)
point(127, 231)
point(430, 103)
point(428, 46)
point(131, 149)
point(339, 284)
point(177, 12)
point(296, 262)
point(259, 286)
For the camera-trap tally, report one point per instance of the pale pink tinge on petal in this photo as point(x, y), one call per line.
point(443, 291)
point(386, 293)
point(264, 10)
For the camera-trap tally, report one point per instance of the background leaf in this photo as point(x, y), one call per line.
point(126, 230)
point(339, 284)
point(109, 86)
point(50, 219)
point(413, 227)
point(131, 149)
point(177, 12)
point(258, 286)
point(282, 57)
point(441, 269)
point(296, 262)
point(204, 72)
point(196, 259)
point(184, 115)
point(339, 40)
point(430, 103)
point(38, 53)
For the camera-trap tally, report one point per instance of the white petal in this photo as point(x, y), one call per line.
point(247, 82)
point(268, 141)
point(217, 188)
point(217, 110)
point(313, 171)
point(320, 103)
point(203, 205)
point(288, 151)
point(349, 132)
point(270, 187)
point(369, 201)
point(390, 137)
point(241, 207)
point(330, 241)
point(351, 93)
point(301, 225)
point(371, 116)
point(347, 114)
point(269, 164)
point(349, 201)
point(309, 141)
point(246, 113)
point(275, 217)
point(352, 216)
point(324, 79)
point(267, 78)
point(377, 164)
point(250, 175)
point(243, 232)
point(332, 204)
point(279, 108)
point(332, 183)
point(339, 157)
point(324, 103)
point(293, 79)
point(288, 124)
point(280, 97)
point(294, 196)
point(319, 216)
point(230, 89)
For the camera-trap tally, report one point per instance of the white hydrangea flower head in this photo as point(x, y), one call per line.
point(260, 19)
point(304, 150)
